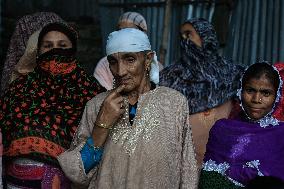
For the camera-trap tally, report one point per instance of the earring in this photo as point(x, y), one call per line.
point(113, 83)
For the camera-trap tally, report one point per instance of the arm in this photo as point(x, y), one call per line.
point(95, 127)
point(71, 161)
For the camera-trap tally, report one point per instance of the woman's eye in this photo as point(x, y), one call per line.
point(47, 46)
point(266, 93)
point(62, 45)
point(249, 91)
point(130, 60)
point(111, 62)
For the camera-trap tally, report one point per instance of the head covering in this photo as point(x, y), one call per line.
point(240, 149)
point(25, 27)
point(60, 27)
point(278, 112)
point(132, 40)
point(40, 111)
point(135, 18)
point(269, 118)
point(203, 76)
point(27, 62)
point(103, 74)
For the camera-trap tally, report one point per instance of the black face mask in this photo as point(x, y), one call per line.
point(59, 54)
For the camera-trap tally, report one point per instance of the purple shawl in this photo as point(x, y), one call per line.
point(247, 150)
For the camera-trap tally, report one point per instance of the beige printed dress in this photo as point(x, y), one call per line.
point(155, 152)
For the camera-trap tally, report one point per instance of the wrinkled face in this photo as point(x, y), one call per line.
point(54, 39)
point(258, 96)
point(130, 69)
point(188, 32)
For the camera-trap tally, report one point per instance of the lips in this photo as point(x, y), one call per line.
point(124, 81)
point(255, 110)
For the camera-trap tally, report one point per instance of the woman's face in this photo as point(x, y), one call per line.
point(54, 39)
point(130, 69)
point(188, 32)
point(258, 97)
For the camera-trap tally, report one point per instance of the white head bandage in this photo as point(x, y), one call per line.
point(132, 40)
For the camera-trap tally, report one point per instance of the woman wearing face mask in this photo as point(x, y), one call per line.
point(207, 80)
point(41, 111)
point(250, 145)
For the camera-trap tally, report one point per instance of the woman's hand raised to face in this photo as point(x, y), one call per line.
point(111, 109)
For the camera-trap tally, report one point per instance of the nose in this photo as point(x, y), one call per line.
point(121, 71)
point(256, 98)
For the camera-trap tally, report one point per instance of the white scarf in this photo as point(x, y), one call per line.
point(132, 40)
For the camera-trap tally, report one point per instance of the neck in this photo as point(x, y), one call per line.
point(144, 87)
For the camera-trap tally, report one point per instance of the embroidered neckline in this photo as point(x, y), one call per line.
point(143, 123)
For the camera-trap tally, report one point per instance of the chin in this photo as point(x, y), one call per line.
point(256, 117)
point(127, 89)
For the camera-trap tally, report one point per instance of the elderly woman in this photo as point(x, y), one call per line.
point(41, 111)
point(127, 20)
point(135, 136)
point(251, 144)
point(207, 80)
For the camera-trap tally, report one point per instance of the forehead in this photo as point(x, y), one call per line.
point(187, 26)
point(55, 35)
point(126, 24)
point(124, 54)
point(262, 82)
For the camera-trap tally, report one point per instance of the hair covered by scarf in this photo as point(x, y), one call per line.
point(248, 148)
point(201, 74)
point(25, 27)
point(41, 111)
point(59, 27)
point(132, 40)
point(135, 18)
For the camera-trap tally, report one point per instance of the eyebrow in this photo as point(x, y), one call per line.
point(128, 54)
point(247, 86)
point(61, 40)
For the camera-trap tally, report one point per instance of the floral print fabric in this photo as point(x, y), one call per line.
point(40, 112)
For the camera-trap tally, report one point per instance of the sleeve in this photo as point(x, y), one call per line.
point(71, 160)
point(189, 170)
point(90, 155)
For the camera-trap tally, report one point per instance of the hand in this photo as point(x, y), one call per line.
point(112, 108)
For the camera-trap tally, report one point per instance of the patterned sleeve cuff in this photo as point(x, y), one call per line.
point(91, 155)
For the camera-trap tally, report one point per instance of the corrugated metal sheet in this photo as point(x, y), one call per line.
point(153, 11)
point(256, 28)
point(256, 31)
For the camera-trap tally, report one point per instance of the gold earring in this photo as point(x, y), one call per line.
point(113, 83)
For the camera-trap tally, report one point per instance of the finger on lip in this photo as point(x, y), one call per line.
point(119, 88)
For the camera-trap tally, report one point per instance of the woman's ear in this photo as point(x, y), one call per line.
point(149, 58)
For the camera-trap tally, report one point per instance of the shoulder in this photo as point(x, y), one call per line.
point(170, 95)
point(169, 92)
point(97, 100)
point(225, 125)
